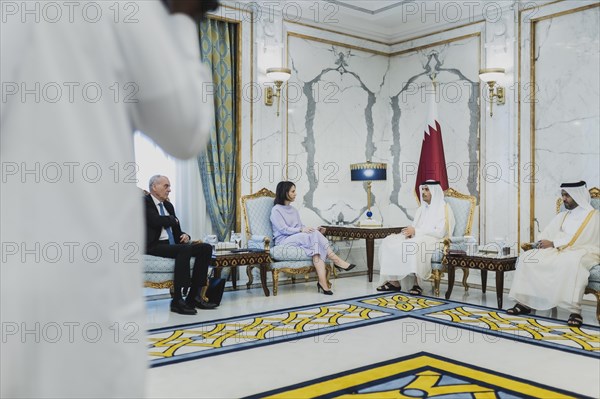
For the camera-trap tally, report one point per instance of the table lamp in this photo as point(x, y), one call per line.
point(368, 171)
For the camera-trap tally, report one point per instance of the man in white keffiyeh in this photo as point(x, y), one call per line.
point(409, 253)
point(556, 271)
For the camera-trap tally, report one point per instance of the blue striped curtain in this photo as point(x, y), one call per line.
point(217, 164)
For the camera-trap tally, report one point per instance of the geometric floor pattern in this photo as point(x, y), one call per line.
point(417, 376)
point(527, 327)
point(193, 342)
point(187, 342)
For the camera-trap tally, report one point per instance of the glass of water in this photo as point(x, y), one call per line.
point(213, 241)
point(236, 238)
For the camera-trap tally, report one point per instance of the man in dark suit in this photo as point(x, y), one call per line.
point(164, 238)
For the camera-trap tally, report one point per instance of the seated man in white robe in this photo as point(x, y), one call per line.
point(409, 253)
point(556, 271)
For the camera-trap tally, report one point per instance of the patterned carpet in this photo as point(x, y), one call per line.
point(193, 341)
point(417, 376)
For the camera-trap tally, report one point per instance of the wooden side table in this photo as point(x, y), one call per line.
point(485, 264)
point(370, 234)
point(234, 259)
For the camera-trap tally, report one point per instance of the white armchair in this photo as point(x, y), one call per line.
point(256, 209)
point(593, 286)
point(463, 208)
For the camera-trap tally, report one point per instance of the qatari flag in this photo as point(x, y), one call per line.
point(432, 164)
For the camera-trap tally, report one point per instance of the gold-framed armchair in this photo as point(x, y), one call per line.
point(463, 208)
point(593, 286)
point(256, 210)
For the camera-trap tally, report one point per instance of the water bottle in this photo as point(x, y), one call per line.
point(471, 245)
point(499, 243)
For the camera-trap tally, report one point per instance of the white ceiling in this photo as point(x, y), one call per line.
point(391, 21)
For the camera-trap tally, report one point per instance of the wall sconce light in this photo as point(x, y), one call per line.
point(279, 76)
point(368, 171)
point(491, 76)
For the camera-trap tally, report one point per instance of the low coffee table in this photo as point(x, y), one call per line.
point(234, 259)
point(483, 263)
point(370, 234)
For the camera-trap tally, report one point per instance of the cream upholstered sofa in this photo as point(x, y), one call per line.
point(463, 208)
point(256, 209)
point(159, 272)
point(593, 286)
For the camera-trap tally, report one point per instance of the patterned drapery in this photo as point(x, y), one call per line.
point(217, 164)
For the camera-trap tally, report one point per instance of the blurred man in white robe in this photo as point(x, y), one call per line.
point(78, 78)
point(410, 252)
point(556, 271)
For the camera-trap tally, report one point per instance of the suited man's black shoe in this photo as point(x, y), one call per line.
point(199, 303)
point(179, 306)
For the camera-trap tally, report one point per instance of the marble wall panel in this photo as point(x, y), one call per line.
point(341, 111)
point(455, 66)
point(567, 108)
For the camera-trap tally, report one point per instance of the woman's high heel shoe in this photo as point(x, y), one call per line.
point(320, 288)
point(350, 267)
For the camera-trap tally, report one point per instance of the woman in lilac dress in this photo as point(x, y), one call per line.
point(289, 230)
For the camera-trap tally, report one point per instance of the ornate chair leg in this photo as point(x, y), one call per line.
point(437, 276)
point(203, 292)
point(328, 271)
point(275, 281)
point(465, 277)
point(597, 295)
point(172, 291)
point(250, 277)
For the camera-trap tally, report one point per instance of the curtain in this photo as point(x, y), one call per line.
point(217, 164)
point(190, 203)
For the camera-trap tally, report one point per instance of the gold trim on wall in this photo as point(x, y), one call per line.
point(532, 49)
point(437, 32)
point(414, 49)
point(251, 105)
point(566, 12)
point(334, 31)
point(238, 133)
point(519, 133)
point(532, 127)
point(332, 42)
point(382, 42)
point(287, 120)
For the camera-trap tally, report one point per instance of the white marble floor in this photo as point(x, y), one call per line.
point(257, 370)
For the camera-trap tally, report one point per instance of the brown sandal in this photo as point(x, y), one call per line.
point(575, 320)
point(518, 309)
point(416, 290)
point(387, 286)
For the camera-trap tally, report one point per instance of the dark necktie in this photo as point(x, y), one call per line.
point(169, 230)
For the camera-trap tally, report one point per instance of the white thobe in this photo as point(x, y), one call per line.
point(400, 256)
point(75, 89)
point(546, 278)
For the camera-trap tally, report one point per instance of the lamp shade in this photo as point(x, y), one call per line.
point(491, 74)
point(368, 171)
point(279, 74)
